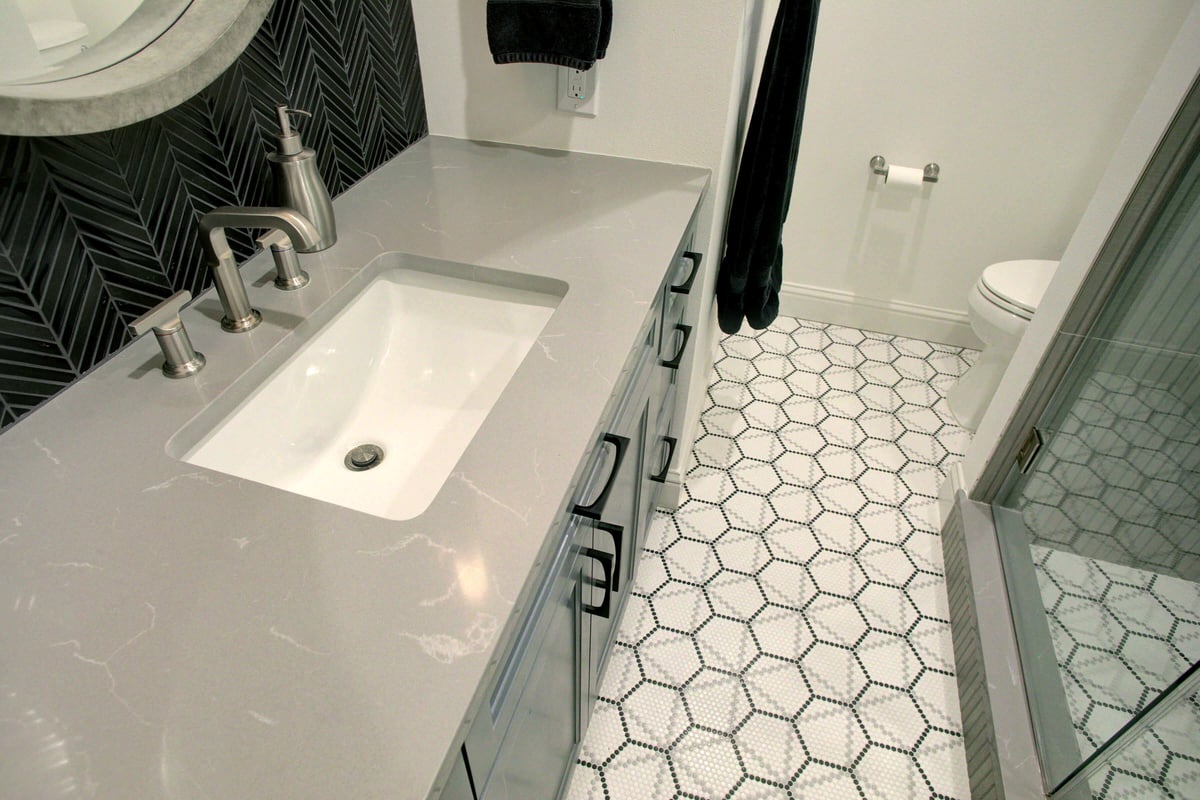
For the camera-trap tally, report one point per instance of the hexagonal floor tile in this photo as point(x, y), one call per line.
point(726, 644)
point(781, 632)
point(756, 477)
point(706, 764)
point(840, 495)
point(735, 595)
point(786, 584)
point(807, 534)
point(716, 451)
point(669, 657)
point(690, 561)
point(835, 620)
point(770, 748)
point(833, 673)
point(622, 674)
point(742, 551)
point(791, 541)
point(749, 512)
point(716, 700)
point(884, 772)
point(654, 715)
point(890, 659)
point(891, 717)
point(639, 771)
point(700, 520)
point(606, 733)
point(776, 686)
point(831, 732)
point(680, 607)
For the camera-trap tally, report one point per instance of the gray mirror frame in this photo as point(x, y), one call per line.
point(188, 56)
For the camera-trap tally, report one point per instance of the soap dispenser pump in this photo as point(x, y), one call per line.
point(298, 184)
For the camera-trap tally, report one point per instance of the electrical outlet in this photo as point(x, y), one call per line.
point(577, 91)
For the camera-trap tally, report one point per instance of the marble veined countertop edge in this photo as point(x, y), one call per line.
point(179, 632)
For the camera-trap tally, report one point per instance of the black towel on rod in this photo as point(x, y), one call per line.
point(752, 269)
point(569, 33)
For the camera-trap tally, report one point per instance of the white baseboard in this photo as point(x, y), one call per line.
point(884, 316)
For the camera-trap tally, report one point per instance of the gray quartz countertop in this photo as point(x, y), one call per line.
point(173, 632)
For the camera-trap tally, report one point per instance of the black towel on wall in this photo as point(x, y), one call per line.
point(752, 269)
point(570, 33)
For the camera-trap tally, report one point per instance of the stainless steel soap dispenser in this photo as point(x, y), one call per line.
point(298, 184)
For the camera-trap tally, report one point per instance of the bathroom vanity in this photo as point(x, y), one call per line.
point(175, 631)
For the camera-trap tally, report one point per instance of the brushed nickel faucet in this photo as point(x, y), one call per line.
point(240, 316)
point(182, 359)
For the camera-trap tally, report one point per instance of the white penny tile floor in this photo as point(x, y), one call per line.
point(788, 634)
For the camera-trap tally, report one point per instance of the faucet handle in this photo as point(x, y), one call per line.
point(289, 275)
point(182, 359)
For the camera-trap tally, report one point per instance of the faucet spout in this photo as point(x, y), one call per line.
point(239, 314)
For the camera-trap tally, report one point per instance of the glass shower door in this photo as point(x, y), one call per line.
point(1099, 533)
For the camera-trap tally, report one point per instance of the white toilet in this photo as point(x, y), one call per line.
point(999, 308)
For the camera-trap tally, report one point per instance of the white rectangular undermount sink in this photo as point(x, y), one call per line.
point(410, 363)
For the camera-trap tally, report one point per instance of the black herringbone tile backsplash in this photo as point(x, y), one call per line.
point(96, 229)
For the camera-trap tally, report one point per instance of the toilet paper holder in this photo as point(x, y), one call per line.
point(879, 166)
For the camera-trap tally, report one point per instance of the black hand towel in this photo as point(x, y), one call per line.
point(752, 270)
point(570, 33)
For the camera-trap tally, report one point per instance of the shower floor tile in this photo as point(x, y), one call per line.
point(788, 633)
point(1121, 636)
point(1118, 481)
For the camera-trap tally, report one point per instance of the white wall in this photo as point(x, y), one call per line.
point(663, 85)
point(670, 89)
point(1021, 103)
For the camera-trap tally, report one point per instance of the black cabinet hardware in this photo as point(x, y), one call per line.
point(593, 511)
point(687, 334)
point(670, 442)
point(618, 534)
point(686, 286)
point(604, 609)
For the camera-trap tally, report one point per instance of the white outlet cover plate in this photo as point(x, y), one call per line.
point(588, 105)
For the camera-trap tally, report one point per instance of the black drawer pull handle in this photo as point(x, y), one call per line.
point(618, 534)
point(686, 286)
point(687, 334)
point(670, 442)
point(606, 564)
point(594, 510)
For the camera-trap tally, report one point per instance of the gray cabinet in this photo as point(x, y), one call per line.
point(524, 739)
point(543, 715)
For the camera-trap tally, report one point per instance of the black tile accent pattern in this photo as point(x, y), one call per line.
point(96, 229)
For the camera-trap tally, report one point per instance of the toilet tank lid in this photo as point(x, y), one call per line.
point(1021, 283)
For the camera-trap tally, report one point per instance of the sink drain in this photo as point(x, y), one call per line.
point(364, 457)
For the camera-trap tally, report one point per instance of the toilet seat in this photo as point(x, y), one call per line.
point(999, 309)
point(1017, 286)
point(1001, 303)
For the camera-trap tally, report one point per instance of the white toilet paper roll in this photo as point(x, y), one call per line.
point(904, 176)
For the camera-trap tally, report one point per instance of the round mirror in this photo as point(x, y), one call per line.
point(81, 66)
